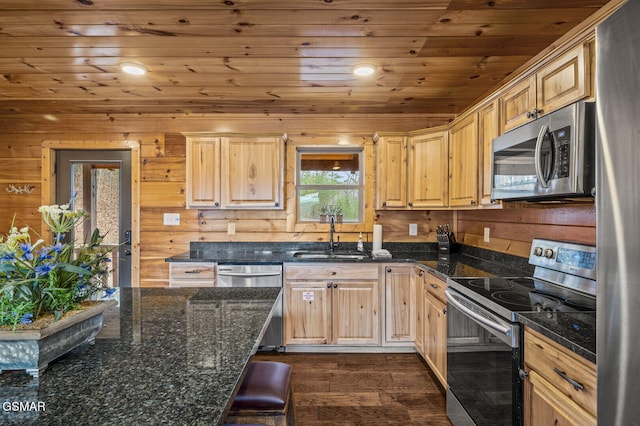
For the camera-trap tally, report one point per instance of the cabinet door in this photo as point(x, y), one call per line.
point(545, 405)
point(418, 288)
point(203, 172)
point(517, 104)
point(564, 81)
point(307, 313)
point(487, 131)
point(428, 170)
point(436, 337)
point(399, 323)
point(252, 168)
point(463, 163)
point(391, 180)
point(355, 313)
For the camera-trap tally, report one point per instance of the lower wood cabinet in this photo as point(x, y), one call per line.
point(560, 388)
point(192, 274)
point(331, 304)
point(435, 326)
point(419, 277)
point(399, 309)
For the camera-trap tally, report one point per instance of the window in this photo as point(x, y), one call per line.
point(330, 181)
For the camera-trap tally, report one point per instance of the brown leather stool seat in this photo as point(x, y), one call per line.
point(264, 396)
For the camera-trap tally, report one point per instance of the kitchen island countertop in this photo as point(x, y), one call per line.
point(164, 356)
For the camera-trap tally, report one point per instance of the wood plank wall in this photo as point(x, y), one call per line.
point(162, 189)
point(512, 228)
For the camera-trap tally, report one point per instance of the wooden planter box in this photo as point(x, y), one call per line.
point(33, 350)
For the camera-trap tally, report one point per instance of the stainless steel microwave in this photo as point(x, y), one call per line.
point(552, 157)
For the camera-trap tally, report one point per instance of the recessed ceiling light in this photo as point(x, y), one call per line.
point(133, 68)
point(364, 70)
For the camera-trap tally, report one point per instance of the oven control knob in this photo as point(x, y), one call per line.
point(537, 251)
point(548, 253)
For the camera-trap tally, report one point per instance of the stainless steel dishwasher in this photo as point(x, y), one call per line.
point(257, 276)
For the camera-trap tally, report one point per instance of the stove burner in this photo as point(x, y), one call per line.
point(512, 297)
point(492, 283)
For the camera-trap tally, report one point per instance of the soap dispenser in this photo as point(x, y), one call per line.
point(360, 244)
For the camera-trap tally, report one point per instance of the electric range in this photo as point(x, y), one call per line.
point(484, 338)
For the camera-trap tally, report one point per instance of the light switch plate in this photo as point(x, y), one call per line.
point(413, 229)
point(172, 219)
point(231, 228)
point(486, 234)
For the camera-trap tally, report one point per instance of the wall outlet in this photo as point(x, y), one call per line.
point(171, 219)
point(231, 228)
point(486, 234)
point(413, 229)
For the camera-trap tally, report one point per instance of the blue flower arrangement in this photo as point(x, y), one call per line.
point(37, 278)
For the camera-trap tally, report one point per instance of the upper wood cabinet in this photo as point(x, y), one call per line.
point(463, 163)
point(562, 81)
point(413, 171)
point(488, 129)
point(203, 172)
point(392, 172)
point(239, 172)
point(253, 172)
point(428, 170)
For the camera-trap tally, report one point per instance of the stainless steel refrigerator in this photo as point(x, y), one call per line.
point(618, 216)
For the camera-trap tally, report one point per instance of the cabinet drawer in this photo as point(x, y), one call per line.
point(330, 271)
point(436, 287)
point(192, 271)
point(549, 359)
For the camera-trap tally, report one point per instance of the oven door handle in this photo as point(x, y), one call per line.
point(477, 317)
point(538, 160)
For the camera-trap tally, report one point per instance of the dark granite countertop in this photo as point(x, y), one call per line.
point(164, 356)
point(573, 330)
point(466, 262)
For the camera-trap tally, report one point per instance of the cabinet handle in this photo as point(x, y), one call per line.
point(534, 114)
point(335, 286)
point(421, 274)
point(577, 386)
point(522, 374)
point(384, 204)
point(444, 311)
point(435, 286)
point(277, 204)
point(473, 202)
point(388, 269)
point(410, 204)
point(216, 204)
point(329, 285)
point(195, 271)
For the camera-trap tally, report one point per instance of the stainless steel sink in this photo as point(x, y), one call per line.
point(326, 254)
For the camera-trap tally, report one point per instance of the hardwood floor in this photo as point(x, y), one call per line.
point(363, 389)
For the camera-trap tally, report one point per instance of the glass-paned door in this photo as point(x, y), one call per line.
point(100, 184)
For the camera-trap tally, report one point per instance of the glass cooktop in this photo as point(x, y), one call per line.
point(507, 296)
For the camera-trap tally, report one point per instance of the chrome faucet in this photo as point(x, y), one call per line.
point(332, 230)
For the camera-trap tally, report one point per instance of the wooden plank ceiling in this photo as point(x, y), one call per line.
point(258, 56)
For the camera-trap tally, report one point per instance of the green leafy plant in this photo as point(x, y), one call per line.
point(37, 278)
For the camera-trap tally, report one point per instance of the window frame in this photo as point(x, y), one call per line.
point(330, 149)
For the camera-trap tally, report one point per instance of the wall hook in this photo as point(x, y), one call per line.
point(20, 189)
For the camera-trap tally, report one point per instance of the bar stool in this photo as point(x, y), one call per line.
point(265, 396)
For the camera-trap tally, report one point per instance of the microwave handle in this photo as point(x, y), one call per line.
point(538, 165)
